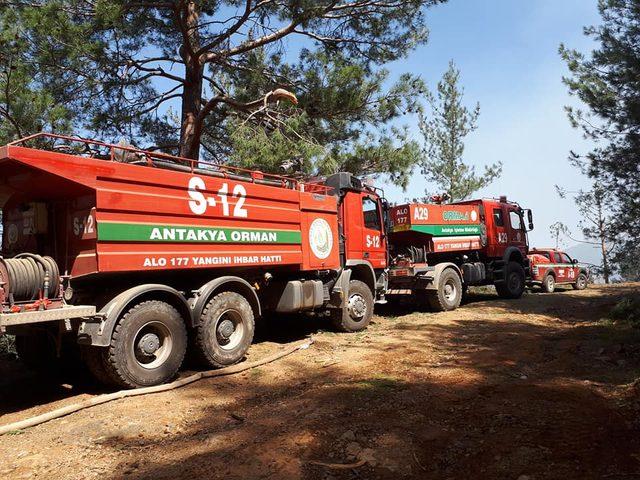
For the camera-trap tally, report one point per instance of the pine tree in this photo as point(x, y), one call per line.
point(608, 82)
point(26, 104)
point(184, 76)
point(557, 230)
point(444, 127)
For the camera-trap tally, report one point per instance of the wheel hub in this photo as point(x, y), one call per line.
point(449, 291)
point(514, 281)
point(149, 344)
point(357, 306)
point(226, 329)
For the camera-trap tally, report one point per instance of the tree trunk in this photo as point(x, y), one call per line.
point(193, 81)
point(605, 261)
point(191, 106)
point(603, 242)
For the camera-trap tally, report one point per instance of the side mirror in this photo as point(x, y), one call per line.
point(575, 261)
point(530, 219)
point(386, 218)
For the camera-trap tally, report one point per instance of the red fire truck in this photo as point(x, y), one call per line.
point(137, 256)
point(551, 267)
point(439, 251)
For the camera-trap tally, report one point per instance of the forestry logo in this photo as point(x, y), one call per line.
point(320, 238)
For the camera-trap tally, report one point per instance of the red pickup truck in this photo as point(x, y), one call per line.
point(551, 267)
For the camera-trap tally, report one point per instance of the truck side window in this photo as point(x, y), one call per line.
point(564, 258)
point(497, 217)
point(516, 220)
point(370, 211)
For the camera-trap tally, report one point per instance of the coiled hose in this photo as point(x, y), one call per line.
point(31, 274)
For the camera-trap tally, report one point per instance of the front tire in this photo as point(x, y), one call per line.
point(449, 293)
point(514, 281)
point(581, 282)
point(225, 331)
point(357, 313)
point(549, 284)
point(147, 347)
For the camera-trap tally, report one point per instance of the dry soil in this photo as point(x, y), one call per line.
point(536, 388)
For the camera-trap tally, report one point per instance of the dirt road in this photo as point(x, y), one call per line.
point(533, 388)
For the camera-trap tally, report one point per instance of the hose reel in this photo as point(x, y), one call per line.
point(29, 276)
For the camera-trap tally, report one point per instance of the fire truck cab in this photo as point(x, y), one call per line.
point(362, 230)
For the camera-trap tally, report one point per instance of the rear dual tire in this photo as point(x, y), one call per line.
point(147, 347)
point(225, 332)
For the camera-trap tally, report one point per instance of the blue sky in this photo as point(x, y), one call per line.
point(507, 51)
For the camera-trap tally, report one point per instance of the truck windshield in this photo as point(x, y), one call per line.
point(563, 257)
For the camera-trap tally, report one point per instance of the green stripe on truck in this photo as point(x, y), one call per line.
point(140, 232)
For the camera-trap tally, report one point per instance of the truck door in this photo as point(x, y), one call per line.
point(517, 232)
point(362, 229)
point(497, 229)
point(565, 270)
point(373, 238)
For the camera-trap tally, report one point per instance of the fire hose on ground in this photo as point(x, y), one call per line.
point(110, 397)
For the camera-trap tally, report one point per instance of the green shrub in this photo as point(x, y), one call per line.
point(627, 310)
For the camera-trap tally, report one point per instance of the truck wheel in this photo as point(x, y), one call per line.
point(147, 347)
point(449, 293)
point(581, 282)
point(549, 284)
point(225, 331)
point(513, 286)
point(358, 311)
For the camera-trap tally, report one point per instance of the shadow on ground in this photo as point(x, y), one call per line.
point(494, 398)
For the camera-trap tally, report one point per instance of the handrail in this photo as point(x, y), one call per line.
point(224, 170)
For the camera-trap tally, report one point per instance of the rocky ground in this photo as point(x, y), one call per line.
point(536, 388)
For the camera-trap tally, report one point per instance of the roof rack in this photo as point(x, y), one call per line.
point(127, 154)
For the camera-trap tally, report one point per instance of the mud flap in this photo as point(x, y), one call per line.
point(340, 290)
